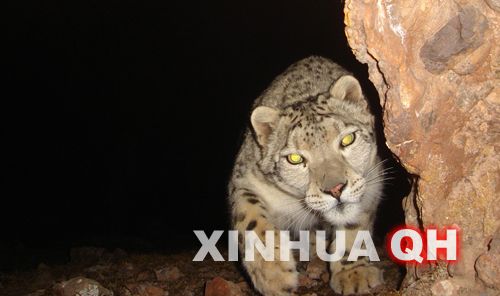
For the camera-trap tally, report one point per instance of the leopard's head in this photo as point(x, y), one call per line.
point(322, 151)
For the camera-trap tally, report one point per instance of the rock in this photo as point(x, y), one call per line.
point(443, 288)
point(151, 291)
point(127, 269)
point(44, 277)
point(124, 291)
point(325, 277)
point(146, 275)
point(244, 286)
point(187, 293)
point(488, 269)
point(435, 67)
point(146, 289)
point(168, 274)
point(494, 4)
point(220, 287)
point(82, 287)
point(305, 281)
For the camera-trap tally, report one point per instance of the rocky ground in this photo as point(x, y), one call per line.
point(95, 271)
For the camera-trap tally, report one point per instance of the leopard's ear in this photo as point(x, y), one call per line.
point(264, 120)
point(347, 88)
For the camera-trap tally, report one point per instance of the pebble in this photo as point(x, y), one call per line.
point(168, 274)
point(220, 287)
point(81, 286)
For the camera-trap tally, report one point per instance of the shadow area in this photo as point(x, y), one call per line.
point(398, 181)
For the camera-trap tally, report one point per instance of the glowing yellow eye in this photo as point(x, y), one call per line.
point(295, 158)
point(348, 140)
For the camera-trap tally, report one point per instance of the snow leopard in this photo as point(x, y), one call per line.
point(308, 161)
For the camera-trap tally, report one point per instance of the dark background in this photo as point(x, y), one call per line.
point(122, 118)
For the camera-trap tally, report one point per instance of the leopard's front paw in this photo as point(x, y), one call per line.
point(356, 279)
point(273, 278)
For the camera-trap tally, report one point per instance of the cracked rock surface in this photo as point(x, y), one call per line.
point(436, 67)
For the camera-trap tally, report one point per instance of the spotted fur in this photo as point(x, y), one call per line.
point(308, 110)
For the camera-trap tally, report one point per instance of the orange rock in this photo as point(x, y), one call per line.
point(220, 287)
point(325, 277)
point(305, 281)
point(145, 276)
point(435, 67)
point(153, 291)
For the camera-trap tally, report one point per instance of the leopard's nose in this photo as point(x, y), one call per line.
point(336, 191)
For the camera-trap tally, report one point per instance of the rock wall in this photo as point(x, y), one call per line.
point(436, 66)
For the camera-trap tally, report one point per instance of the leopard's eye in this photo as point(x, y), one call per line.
point(295, 158)
point(348, 140)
